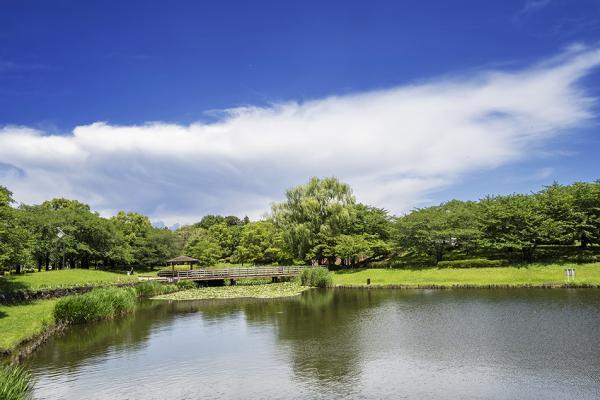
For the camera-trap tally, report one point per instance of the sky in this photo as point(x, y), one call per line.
point(182, 109)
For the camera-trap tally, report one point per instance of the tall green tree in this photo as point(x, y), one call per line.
point(15, 239)
point(149, 246)
point(228, 238)
point(261, 244)
point(516, 222)
point(586, 212)
point(314, 213)
point(204, 247)
point(436, 230)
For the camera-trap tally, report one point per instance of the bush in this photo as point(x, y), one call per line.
point(185, 284)
point(98, 304)
point(316, 277)
point(471, 263)
point(15, 383)
point(153, 288)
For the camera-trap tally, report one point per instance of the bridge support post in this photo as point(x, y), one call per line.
point(274, 279)
point(232, 282)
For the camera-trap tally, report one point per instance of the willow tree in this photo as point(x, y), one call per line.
point(312, 216)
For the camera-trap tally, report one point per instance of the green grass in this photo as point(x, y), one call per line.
point(66, 278)
point(153, 288)
point(102, 303)
point(534, 274)
point(259, 291)
point(15, 383)
point(316, 277)
point(25, 321)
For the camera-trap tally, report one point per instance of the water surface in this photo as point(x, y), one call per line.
point(344, 343)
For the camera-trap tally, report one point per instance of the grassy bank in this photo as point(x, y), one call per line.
point(527, 275)
point(60, 279)
point(259, 291)
point(22, 322)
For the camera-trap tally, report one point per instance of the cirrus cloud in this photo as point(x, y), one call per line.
point(393, 146)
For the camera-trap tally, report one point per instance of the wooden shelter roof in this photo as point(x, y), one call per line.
point(183, 259)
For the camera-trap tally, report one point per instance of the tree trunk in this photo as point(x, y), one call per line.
point(528, 254)
point(39, 264)
point(18, 269)
point(438, 256)
point(47, 262)
point(584, 241)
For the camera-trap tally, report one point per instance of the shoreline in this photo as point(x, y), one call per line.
point(30, 345)
point(23, 296)
point(471, 286)
point(267, 292)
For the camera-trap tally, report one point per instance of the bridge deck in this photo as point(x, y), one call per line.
point(229, 273)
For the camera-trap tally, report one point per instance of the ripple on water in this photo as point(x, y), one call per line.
point(496, 344)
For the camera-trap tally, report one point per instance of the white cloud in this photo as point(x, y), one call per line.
point(393, 146)
point(532, 6)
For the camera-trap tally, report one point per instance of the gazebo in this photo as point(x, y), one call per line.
point(182, 260)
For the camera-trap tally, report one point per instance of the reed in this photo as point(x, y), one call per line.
point(316, 277)
point(98, 304)
point(152, 288)
point(15, 383)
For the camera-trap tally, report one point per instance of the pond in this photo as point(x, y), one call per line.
point(337, 343)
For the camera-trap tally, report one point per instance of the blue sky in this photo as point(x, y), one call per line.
point(122, 104)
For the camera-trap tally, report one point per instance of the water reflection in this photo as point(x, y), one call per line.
point(337, 343)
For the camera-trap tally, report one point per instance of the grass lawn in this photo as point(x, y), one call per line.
point(259, 291)
point(62, 279)
point(24, 321)
point(534, 274)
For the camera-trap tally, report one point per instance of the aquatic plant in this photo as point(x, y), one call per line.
point(153, 288)
point(185, 284)
point(98, 304)
point(316, 277)
point(264, 291)
point(15, 383)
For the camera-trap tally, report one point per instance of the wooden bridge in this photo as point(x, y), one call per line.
point(233, 274)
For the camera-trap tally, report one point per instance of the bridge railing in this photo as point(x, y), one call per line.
point(231, 273)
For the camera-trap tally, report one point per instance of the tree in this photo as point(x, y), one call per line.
point(516, 222)
point(261, 244)
point(15, 239)
point(353, 249)
point(136, 230)
point(312, 213)
point(227, 236)
point(203, 247)
point(373, 227)
point(586, 212)
point(439, 229)
point(209, 220)
point(557, 203)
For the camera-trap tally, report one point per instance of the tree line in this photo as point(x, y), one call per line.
point(319, 222)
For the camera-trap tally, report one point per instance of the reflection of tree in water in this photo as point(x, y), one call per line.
point(80, 343)
point(323, 332)
point(321, 328)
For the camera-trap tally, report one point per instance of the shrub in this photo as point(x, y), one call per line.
point(15, 383)
point(98, 304)
point(153, 288)
point(185, 284)
point(471, 263)
point(316, 277)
